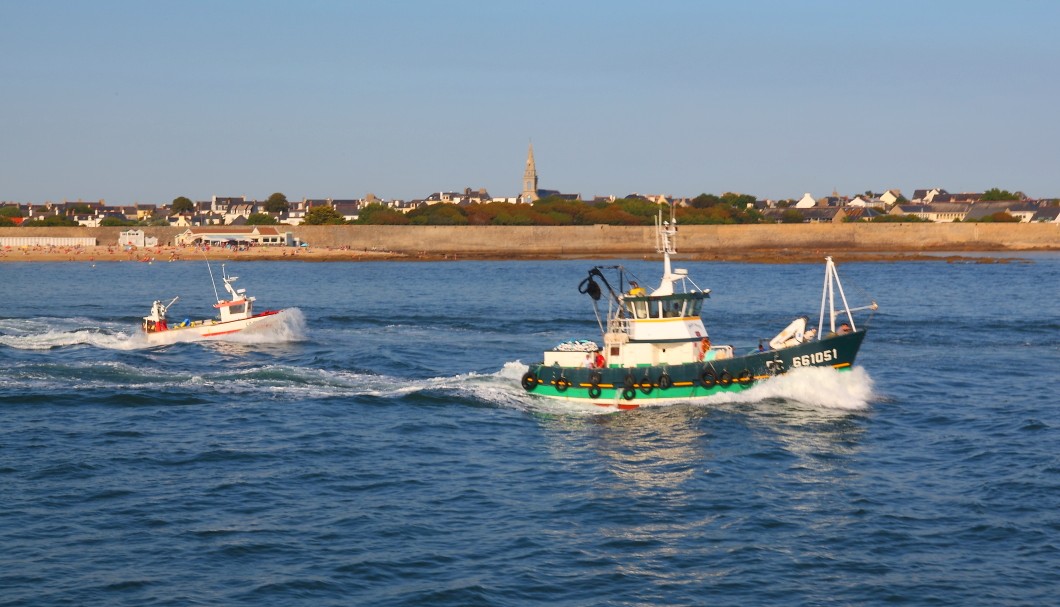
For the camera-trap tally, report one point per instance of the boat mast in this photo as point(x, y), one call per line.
point(831, 284)
point(666, 243)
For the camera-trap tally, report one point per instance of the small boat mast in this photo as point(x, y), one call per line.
point(240, 306)
point(831, 285)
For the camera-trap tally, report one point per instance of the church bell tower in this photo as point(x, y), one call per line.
point(529, 178)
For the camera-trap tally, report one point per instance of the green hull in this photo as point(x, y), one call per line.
point(628, 388)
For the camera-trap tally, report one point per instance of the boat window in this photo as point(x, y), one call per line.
point(672, 309)
point(629, 310)
point(237, 309)
point(641, 308)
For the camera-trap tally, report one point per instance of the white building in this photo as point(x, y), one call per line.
point(806, 202)
point(136, 238)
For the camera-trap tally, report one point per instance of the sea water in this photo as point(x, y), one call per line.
point(377, 449)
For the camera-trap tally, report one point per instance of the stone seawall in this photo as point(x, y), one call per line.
point(603, 240)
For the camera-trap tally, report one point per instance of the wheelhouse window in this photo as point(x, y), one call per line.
point(640, 309)
point(693, 306)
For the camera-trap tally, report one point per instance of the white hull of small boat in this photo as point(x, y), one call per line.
point(210, 329)
point(236, 316)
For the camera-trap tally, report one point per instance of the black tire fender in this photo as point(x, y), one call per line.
point(665, 383)
point(645, 386)
point(708, 378)
point(725, 379)
point(529, 381)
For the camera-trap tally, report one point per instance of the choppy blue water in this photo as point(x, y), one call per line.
point(378, 450)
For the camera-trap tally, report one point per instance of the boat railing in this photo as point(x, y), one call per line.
point(618, 325)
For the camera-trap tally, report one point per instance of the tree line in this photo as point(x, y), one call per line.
point(727, 208)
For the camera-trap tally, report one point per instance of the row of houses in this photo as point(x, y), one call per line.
point(929, 204)
point(941, 212)
point(231, 210)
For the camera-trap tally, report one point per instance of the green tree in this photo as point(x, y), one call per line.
point(6, 222)
point(645, 210)
point(705, 200)
point(739, 201)
point(995, 194)
point(261, 219)
point(792, 216)
point(159, 218)
point(999, 217)
point(50, 221)
point(277, 203)
point(182, 205)
point(115, 221)
point(323, 215)
point(380, 215)
point(10, 210)
point(899, 219)
point(441, 214)
point(730, 207)
point(501, 214)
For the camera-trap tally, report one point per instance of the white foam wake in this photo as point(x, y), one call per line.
point(814, 387)
point(46, 333)
point(819, 387)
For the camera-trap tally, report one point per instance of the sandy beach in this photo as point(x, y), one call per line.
point(156, 254)
point(173, 253)
point(763, 243)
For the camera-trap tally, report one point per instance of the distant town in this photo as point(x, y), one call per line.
point(536, 206)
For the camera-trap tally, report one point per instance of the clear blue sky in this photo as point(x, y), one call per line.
point(145, 101)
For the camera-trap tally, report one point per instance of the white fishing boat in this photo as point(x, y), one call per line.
point(656, 348)
point(235, 315)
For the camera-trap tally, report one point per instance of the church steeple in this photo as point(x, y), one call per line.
point(529, 178)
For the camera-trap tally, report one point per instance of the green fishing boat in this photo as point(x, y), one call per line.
point(655, 347)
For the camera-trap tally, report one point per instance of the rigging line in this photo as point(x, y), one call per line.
point(599, 323)
point(212, 281)
point(852, 284)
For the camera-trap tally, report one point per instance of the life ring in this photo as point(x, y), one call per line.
point(725, 379)
point(529, 381)
point(629, 382)
point(629, 393)
point(665, 383)
point(645, 386)
point(562, 383)
point(594, 391)
point(745, 377)
point(708, 378)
